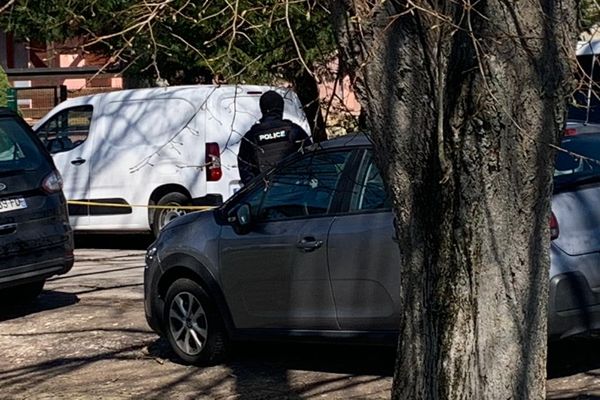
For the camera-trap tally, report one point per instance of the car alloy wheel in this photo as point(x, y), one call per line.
point(188, 324)
point(193, 325)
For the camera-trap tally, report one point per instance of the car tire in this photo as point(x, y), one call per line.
point(162, 216)
point(192, 324)
point(22, 294)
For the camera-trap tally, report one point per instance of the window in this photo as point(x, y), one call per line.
point(569, 165)
point(369, 192)
point(17, 149)
point(304, 188)
point(67, 129)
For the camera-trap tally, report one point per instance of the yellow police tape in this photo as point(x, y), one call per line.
point(100, 204)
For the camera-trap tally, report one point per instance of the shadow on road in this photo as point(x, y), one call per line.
point(262, 370)
point(139, 241)
point(46, 371)
point(48, 300)
point(340, 359)
point(572, 356)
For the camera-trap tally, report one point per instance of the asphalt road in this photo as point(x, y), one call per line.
point(86, 337)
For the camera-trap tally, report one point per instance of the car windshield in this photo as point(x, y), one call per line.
point(580, 157)
point(17, 149)
point(303, 186)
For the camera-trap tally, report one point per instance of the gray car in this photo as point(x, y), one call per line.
point(574, 303)
point(305, 252)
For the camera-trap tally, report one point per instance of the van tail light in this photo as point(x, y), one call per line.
point(570, 132)
point(213, 162)
point(52, 183)
point(553, 227)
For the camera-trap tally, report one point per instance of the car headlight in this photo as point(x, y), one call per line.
point(151, 254)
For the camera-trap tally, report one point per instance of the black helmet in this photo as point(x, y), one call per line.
point(271, 102)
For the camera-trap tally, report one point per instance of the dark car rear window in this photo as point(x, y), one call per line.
point(17, 149)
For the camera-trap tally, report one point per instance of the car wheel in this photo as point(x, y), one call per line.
point(192, 324)
point(162, 216)
point(22, 294)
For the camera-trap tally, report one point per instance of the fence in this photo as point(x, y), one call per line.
point(35, 101)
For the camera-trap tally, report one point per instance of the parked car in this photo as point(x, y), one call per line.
point(119, 152)
point(574, 127)
point(583, 114)
point(574, 303)
point(312, 256)
point(36, 241)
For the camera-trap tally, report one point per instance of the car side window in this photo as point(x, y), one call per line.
point(306, 187)
point(369, 192)
point(67, 129)
point(17, 150)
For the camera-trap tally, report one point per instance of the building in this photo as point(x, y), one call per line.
point(43, 73)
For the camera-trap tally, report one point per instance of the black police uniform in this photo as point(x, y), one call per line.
point(270, 140)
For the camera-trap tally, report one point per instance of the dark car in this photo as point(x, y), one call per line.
point(36, 241)
point(575, 127)
point(307, 252)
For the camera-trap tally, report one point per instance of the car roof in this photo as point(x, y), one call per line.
point(6, 112)
point(197, 92)
point(350, 140)
point(588, 47)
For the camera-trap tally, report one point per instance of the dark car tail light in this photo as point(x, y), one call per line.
point(553, 227)
point(213, 162)
point(570, 132)
point(52, 183)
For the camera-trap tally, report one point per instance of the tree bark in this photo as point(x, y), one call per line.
point(307, 89)
point(462, 101)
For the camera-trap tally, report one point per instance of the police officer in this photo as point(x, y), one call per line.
point(270, 140)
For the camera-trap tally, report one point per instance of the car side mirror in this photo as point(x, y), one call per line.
point(241, 218)
point(243, 215)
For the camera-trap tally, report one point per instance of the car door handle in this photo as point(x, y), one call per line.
point(78, 161)
point(8, 229)
point(309, 244)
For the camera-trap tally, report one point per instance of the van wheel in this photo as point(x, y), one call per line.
point(192, 324)
point(162, 216)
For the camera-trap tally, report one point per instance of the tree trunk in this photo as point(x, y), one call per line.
point(462, 101)
point(307, 89)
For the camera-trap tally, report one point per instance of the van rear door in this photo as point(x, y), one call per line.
point(66, 135)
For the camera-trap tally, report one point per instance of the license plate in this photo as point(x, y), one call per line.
point(12, 204)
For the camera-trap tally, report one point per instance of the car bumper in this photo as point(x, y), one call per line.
point(36, 271)
point(573, 306)
point(210, 200)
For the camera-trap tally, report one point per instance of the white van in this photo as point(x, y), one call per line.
point(161, 146)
